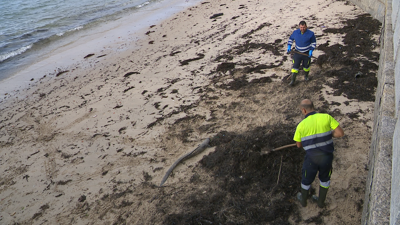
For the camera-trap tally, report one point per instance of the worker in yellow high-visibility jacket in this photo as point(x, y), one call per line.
point(314, 134)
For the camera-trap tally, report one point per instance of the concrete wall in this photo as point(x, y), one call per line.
point(376, 208)
point(395, 202)
point(395, 195)
point(382, 197)
point(374, 7)
point(396, 45)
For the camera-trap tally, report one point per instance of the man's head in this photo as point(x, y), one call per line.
point(303, 26)
point(306, 106)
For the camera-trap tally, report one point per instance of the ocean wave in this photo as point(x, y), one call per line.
point(14, 53)
point(30, 35)
point(70, 30)
point(143, 4)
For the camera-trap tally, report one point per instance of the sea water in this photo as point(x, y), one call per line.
point(26, 26)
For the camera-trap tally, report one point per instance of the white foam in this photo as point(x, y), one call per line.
point(70, 30)
point(76, 28)
point(143, 4)
point(14, 53)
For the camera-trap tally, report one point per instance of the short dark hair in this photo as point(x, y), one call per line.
point(303, 23)
point(308, 107)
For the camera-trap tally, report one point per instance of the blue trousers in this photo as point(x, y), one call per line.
point(317, 162)
point(301, 59)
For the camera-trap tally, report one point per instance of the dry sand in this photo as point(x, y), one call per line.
point(89, 144)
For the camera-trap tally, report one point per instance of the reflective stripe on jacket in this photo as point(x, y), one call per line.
point(304, 42)
point(315, 132)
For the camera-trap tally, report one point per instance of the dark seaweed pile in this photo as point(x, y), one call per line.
point(354, 65)
point(248, 46)
point(251, 188)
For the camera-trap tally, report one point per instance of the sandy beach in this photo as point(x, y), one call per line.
point(90, 143)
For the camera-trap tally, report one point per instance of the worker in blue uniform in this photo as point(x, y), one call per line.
point(305, 44)
point(314, 134)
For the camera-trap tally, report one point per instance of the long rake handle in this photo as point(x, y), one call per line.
point(276, 149)
point(285, 146)
point(294, 51)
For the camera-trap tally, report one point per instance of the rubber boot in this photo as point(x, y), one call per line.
point(293, 79)
point(302, 197)
point(306, 76)
point(322, 196)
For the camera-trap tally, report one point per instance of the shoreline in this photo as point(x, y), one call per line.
point(109, 38)
point(90, 145)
